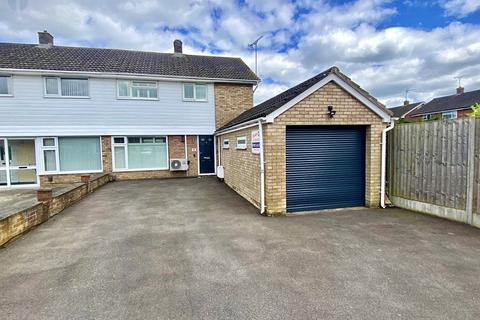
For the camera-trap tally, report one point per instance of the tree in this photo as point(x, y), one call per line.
point(475, 110)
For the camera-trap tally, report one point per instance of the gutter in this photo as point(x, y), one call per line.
point(384, 162)
point(122, 75)
point(240, 126)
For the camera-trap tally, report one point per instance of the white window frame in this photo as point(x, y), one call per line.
point(445, 115)
point(226, 144)
point(9, 85)
point(242, 146)
point(427, 117)
point(42, 148)
point(130, 96)
point(59, 87)
point(195, 92)
point(125, 145)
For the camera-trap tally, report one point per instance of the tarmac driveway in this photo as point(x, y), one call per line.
point(193, 249)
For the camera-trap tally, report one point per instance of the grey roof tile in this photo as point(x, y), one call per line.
point(59, 58)
point(265, 108)
point(449, 103)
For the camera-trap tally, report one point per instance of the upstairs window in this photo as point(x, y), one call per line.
point(5, 85)
point(449, 115)
point(66, 87)
point(194, 92)
point(133, 89)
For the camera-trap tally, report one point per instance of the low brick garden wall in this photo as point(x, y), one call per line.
point(50, 203)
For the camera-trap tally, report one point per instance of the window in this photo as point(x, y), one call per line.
point(226, 144)
point(5, 85)
point(66, 87)
point(71, 154)
point(427, 117)
point(132, 89)
point(194, 92)
point(242, 143)
point(140, 153)
point(449, 115)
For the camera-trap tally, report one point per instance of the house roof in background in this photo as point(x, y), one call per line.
point(59, 58)
point(449, 103)
point(265, 108)
point(403, 110)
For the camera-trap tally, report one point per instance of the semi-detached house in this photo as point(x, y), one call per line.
point(68, 111)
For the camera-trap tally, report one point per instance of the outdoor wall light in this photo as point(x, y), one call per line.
point(331, 112)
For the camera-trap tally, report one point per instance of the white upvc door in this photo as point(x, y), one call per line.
point(18, 165)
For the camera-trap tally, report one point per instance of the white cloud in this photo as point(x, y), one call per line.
point(460, 8)
point(299, 41)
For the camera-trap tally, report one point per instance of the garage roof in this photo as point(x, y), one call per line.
point(273, 104)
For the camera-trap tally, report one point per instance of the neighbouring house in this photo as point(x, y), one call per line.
point(69, 111)
point(315, 146)
point(402, 111)
point(449, 107)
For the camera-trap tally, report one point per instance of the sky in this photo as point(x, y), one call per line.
point(385, 46)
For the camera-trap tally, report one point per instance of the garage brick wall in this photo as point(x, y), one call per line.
point(230, 101)
point(313, 111)
point(242, 167)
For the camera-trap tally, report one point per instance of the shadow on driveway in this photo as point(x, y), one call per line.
point(192, 248)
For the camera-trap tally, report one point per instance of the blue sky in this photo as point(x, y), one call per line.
point(385, 46)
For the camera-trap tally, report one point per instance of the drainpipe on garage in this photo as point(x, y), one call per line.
point(262, 170)
point(384, 163)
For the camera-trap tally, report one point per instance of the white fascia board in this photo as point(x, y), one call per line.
point(419, 105)
point(241, 126)
point(111, 75)
point(332, 77)
point(34, 131)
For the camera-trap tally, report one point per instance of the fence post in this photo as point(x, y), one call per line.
point(470, 170)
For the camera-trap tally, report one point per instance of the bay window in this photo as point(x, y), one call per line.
point(134, 89)
point(71, 154)
point(194, 92)
point(140, 153)
point(5, 85)
point(66, 87)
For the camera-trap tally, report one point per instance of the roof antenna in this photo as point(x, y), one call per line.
point(254, 45)
point(459, 78)
point(406, 102)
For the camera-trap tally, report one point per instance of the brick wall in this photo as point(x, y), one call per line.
point(313, 111)
point(230, 101)
point(19, 222)
point(242, 167)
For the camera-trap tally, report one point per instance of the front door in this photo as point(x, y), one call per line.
point(206, 154)
point(17, 162)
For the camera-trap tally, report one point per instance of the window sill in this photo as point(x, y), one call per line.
point(6, 95)
point(65, 97)
point(193, 100)
point(141, 99)
point(45, 173)
point(139, 170)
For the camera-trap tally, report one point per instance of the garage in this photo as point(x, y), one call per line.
point(315, 146)
point(325, 167)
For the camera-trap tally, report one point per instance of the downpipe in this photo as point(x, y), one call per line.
point(384, 163)
point(262, 170)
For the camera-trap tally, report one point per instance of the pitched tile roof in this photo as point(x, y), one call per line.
point(265, 108)
point(403, 110)
point(59, 58)
point(449, 103)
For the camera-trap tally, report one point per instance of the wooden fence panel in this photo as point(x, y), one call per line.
point(428, 162)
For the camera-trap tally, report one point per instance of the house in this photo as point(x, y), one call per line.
point(317, 145)
point(70, 111)
point(402, 111)
point(449, 107)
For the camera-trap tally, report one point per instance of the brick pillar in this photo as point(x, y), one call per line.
point(44, 195)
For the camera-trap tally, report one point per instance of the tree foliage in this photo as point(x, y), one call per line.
point(475, 110)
